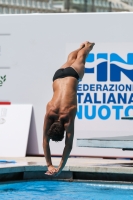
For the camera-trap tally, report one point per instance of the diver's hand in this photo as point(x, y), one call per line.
point(51, 170)
point(57, 172)
point(54, 173)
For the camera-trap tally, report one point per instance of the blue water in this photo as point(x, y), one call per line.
point(59, 190)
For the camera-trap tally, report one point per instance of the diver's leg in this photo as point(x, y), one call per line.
point(72, 57)
point(79, 63)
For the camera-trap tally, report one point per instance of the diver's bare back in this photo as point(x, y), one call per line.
point(63, 105)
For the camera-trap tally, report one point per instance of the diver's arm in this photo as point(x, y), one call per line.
point(46, 146)
point(68, 147)
point(46, 149)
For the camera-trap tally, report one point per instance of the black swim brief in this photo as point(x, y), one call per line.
point(65, 72)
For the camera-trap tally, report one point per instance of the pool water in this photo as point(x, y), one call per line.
point(60, 190)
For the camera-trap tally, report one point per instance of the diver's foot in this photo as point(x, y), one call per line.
point(82, 45)
point(89, 46)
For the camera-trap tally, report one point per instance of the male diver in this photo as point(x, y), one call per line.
point(62, 108)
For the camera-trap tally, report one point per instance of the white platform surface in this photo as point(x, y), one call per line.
point(14, 129)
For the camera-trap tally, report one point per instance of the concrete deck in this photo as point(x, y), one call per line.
point(76, 168)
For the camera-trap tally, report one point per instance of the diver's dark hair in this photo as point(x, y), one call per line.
point(56, 131)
